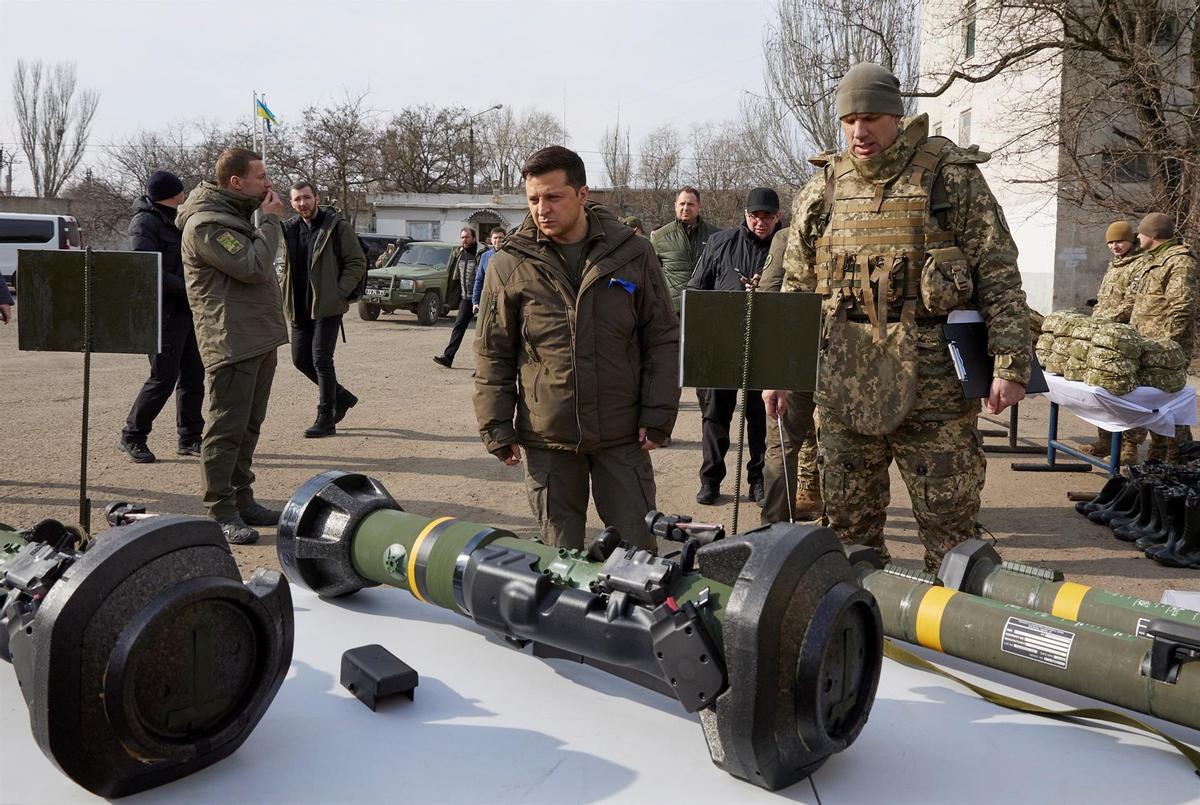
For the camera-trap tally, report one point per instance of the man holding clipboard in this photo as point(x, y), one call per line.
point(894, 233)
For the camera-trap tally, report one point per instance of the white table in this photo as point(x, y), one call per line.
point(491, 724)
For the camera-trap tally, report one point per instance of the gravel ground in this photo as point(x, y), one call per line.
point(415, 431)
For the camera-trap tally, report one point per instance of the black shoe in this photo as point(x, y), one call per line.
point(258, 514)
point(237, 532)
point(442, 360)
point(708, 493)
point(345, 401)
point(138, 452)
point(758, 492)
point(188, 447)
point(323, 426)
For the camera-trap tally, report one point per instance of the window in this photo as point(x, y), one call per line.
point(425, 230)
point(969, 28)
point(937, 129)
point(26, 230)
point(1126, 166)
point(423, 254)
point(964, 128)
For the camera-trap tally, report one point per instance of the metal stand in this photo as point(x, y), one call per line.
point(1053, 446)
point(85, 504)
point(1011, 433)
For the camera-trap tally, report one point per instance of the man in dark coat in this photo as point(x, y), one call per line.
point(177, 368)
point(733, 260)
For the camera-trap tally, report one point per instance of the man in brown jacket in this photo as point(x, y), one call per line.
point(577, 351)
point(229, 269)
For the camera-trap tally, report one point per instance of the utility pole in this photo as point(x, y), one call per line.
point(471, 145)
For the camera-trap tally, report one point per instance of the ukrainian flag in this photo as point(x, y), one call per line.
point(266, 114)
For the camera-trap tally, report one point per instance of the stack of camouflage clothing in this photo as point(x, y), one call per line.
point(1163, 365)
point(1109, 354)
point(1113, 358)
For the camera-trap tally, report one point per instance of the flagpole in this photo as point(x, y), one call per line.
point(254, 123)
point(265, 129)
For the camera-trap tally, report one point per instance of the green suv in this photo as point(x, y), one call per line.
point(418, 278)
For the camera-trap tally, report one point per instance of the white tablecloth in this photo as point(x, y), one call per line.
point(1144, 407)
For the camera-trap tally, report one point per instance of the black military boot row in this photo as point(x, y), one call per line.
point(1182, 548)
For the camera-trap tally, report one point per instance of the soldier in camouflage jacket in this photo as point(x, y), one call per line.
point(894, 233)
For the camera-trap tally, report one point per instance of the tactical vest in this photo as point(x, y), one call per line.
point(885, 262)
point(877, 238)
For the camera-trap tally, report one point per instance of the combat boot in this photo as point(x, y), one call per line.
point(236, 532)
point(345, 401)
point(323, 426)
point(1101, 448)
point(137, 450)
point(1128, 529)
point(1157, 532)
point(1110, 490)
point(1184, 550)
point(1173, 521)
point(809, 504)
point(1120, 506)
point(1129, 453)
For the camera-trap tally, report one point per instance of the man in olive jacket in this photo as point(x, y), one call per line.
point(680, 243)
point(576, 357)
point(229, 268)
point(323, 265)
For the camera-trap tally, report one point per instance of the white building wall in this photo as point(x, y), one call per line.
point(395, 211)
point(997, 110)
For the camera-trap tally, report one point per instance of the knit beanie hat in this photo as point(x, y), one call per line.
point(162, 185)
point(1157, 225)
point(868, 89)
point(1118, 230)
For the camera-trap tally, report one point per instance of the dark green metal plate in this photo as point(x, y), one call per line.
point(126, 307)
point(783, 340)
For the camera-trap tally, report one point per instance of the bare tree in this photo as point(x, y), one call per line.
point(660, 166)
point(423, 150)
point(1122, 115)
point(808, 48)
point(618, 162)
point(719, 167)
point(53, 120)
point(507, 139)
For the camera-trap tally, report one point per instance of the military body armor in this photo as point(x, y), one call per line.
point(885, 263)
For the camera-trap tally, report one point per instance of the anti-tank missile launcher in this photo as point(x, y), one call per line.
point(769, 637)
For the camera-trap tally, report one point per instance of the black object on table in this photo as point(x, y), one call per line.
point(372, 672)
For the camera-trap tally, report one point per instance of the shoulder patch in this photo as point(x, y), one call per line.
point(230, 243)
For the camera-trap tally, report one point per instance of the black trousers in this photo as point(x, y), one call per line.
point(717, 407)
point(313, 343)
point(176, 370)
point(465, 314)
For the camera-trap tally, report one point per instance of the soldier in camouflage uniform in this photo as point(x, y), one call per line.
point(1164, 290)
point(895, 232)
point(1113, 301)
point(799, 435)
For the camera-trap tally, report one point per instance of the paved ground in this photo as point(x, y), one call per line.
point(415, 431)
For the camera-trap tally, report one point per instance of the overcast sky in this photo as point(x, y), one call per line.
point(160, 61)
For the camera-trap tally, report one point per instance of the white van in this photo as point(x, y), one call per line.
point(32, 231)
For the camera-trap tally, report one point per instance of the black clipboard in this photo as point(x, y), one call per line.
point(967, 342)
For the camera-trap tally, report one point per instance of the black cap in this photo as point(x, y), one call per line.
point(163, 185)
point(762, 199)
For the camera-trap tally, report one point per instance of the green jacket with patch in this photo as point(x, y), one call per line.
point(337, 265)
point(679, 252)
point(575, 371)
point(229, 269)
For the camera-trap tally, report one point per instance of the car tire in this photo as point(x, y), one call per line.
point(368, 311)
point(429, 309)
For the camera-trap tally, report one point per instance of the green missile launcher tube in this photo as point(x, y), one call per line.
point(1159, 677)
point(975, 567)
point(768, 636)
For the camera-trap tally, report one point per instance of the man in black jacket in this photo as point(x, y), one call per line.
point(733, 260)
point(178, 367)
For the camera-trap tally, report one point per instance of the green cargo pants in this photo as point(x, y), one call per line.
point(622, 484)
point(237, 404)
point(941, 462)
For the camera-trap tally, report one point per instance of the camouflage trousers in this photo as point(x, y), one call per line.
point(1161, 447)
point(942, 465)
point(798, 453)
